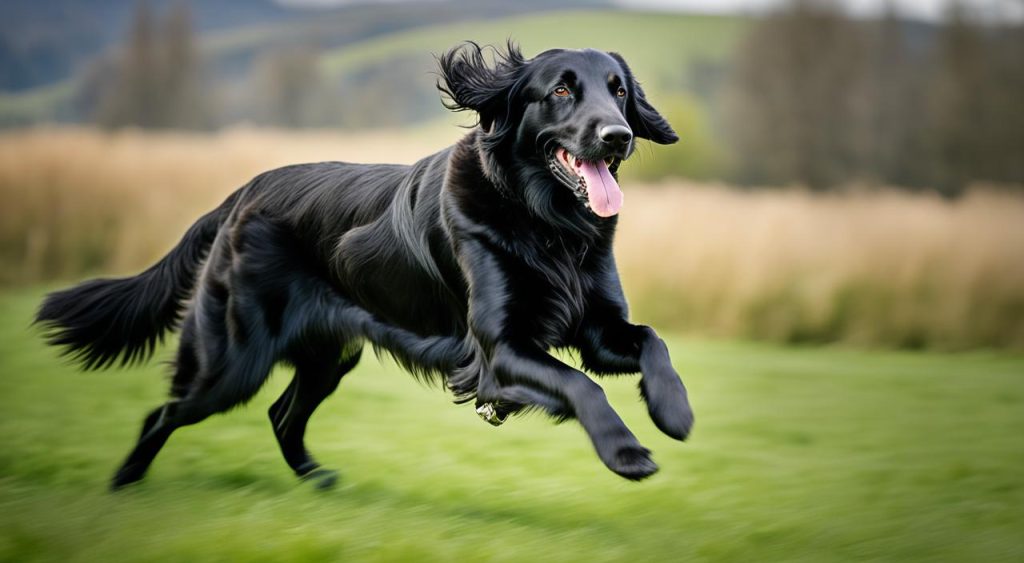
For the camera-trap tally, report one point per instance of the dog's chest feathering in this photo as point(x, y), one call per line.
point(549, 290)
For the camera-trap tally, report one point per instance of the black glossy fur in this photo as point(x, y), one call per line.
point(467, 266)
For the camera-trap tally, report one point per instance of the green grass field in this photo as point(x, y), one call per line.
point(798, 454)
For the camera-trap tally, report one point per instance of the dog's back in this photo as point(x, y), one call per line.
point(374, 232)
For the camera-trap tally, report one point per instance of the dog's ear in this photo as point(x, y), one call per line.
point(470, 83)
point(644, 120)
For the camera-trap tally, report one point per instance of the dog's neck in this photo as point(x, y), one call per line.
point(530, 188)
point(495, 171)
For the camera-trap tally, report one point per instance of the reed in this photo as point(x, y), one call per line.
point(878, 267)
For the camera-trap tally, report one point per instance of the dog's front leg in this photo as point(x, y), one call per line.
point(516, 368)
point(529, 368)
point(660, 385)
point(616, 346)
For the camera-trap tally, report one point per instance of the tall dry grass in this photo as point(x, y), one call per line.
point(879, 267)
point(883, 267)
point(75, 201)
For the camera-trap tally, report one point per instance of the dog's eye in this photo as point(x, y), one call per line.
point(621, 92)
point(561, 91)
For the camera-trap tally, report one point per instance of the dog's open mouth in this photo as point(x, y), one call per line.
point(593, 181)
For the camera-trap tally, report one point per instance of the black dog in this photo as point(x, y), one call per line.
point(468, 265)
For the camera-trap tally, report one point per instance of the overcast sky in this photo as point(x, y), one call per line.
point(925, 9)
point(920, 9)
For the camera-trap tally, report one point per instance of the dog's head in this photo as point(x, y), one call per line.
point(555, 127)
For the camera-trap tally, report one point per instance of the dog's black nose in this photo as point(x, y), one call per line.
point(616, 134)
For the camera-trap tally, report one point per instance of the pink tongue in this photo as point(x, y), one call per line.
point(602, 190)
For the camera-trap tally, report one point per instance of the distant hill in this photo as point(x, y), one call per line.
point(44, 42)
point(368, 53)
point(667, 51)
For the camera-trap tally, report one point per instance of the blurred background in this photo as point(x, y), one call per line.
point(847, 171)
point(850, 174)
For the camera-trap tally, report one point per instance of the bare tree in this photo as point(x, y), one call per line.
point(291, 89)
point(156, 75)
point(821, 99)
point(889, 105)
point(180, 74)
point(977, 114)
point(792, 102)
point(956, 103)
point(129, 100)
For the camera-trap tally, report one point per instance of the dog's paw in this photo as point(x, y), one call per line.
point(633, 463)
point(127, 475)
point(322, 479)
point(620, 451)
point(668, 405)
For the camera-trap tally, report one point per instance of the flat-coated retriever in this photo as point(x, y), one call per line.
point(468, 266)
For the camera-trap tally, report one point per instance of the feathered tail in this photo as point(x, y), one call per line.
point(105, 321)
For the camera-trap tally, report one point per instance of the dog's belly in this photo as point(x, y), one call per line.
point(420, 310)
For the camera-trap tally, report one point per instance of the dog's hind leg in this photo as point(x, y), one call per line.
point(162, 422)
point(316, 376)
point(155, 432)
point(209, 395)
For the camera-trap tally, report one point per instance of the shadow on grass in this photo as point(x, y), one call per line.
point(544, 517)
point(368, 496)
